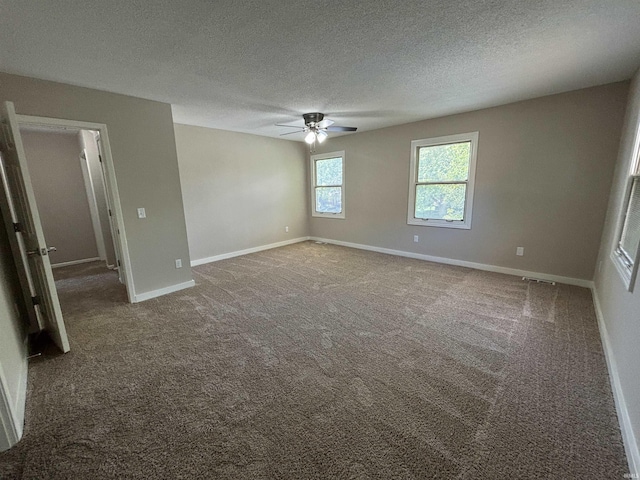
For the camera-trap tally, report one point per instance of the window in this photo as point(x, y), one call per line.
point(442, 177)
point(627, 248)
point(327, 178)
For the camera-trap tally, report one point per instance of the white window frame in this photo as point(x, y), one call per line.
point(465, 223)
point(314, 159)
point(628, 273)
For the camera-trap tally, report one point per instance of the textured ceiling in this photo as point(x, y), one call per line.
point(246, 65)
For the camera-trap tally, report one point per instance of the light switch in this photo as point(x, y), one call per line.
point(142, 213)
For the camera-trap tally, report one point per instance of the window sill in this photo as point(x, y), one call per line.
point(439, 223)
point(339, 216)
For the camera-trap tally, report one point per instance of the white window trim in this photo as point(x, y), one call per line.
point(324, 156)
point(628, 275)
point(621, 265)
point(468, 202)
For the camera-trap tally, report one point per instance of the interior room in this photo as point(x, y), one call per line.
point(302, 240)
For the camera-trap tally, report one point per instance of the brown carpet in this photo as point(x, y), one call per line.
point(317, 361)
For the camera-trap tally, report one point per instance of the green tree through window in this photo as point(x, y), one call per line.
point(442, 181)
point(441, 186)
point(328, 185)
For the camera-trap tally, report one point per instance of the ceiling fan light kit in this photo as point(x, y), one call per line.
point(310, 138)
point(316, 128)
point(322, 136)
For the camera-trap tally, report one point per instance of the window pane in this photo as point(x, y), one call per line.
point(440, 201)
point(444, 163)
point(631, 230)
point(329, 171)
point(329, 199)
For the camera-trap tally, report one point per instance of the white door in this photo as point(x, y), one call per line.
point(29, 249)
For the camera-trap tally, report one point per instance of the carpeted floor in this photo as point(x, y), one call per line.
point(318, 361)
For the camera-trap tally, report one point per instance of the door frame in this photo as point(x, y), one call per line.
point(109, 170)
point(113, 228)
point(93, 203)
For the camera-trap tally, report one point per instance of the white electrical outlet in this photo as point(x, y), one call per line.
point(286, 229)
point(142, 213)
point(178, 263)
point(520, 251)
point(416, 239)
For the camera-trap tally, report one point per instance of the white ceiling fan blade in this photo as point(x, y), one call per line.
point(291, 133)
point(325, 123)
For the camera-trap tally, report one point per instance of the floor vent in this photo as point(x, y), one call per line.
point(538, 280)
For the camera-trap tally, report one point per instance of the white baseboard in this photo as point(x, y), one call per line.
point(628, 437)
point(75, 262)
point(462, 263)
point(141, 297)
point(237, 253)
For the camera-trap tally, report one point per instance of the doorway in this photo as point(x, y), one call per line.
point(68, 182)
point(74, 183)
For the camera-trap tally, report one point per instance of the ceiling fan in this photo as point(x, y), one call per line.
point(316, 127)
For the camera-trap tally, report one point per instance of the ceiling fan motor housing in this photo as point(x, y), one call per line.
point(312, 118)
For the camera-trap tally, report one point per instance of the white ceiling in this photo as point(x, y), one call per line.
point(245, 65)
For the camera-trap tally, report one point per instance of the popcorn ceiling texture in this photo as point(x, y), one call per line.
point(246, 65)
point(318, 361)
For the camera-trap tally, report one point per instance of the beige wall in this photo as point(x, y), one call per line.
point(58, 183)
point(544, 169)
point(620, 309)
point(146, 166)
point(240, 190)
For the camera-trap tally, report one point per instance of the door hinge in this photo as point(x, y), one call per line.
point(110, 213)
point(17, 227)
point(100, 158)
point(35, 300)
point(119, 263)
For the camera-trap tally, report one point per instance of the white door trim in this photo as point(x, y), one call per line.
point(29, 120)
point(113, 228)
point(93, 204)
